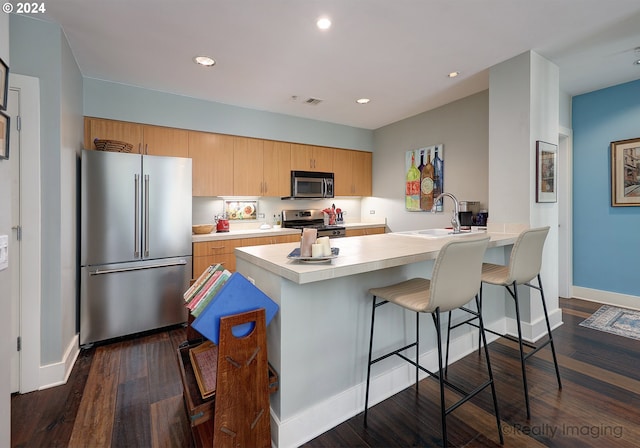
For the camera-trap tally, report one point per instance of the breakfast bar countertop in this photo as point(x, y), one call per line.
point(356, 255)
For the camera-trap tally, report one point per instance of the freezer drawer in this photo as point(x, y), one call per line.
point(126, 298)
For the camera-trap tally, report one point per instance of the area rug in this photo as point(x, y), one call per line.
point(614, 320)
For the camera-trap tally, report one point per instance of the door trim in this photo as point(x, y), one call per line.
point(565, 213)
point(30, 205)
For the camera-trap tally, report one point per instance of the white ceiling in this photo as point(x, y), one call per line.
point(396, 52)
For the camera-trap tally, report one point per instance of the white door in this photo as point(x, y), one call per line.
point(24, 255)
point(13, 108)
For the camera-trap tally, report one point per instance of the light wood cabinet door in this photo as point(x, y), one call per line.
point(207, 253)
point(277, 168)
point(301, 157)
point(103, 129)
point(343, 173)
point(361, 173)
point(311, 158)
point(366, 231)
point(212, 156)
point(228, 261)
point(161, 141)
point(352, 171)
point(323, 159)
point(248, 161)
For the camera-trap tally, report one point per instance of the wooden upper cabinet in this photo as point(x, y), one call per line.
point(146, 139)
point(261, 167)
point(99, 128)
point(161, 141)
point(225, 165)
point(213, 168)
point(362, 171)
point(352, 171)
point(301, 157)
point(277, 168)
point(342, 172)
point(311, 158)
point(248, 160)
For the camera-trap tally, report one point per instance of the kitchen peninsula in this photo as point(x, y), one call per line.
point(318, 341)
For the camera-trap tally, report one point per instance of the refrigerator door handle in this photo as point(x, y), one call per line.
point(138, 268)
point(136, 226)
point(146, 215)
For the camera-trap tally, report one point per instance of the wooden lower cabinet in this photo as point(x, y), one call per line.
point(222, 251)
point(366, 231)
point(213, 252)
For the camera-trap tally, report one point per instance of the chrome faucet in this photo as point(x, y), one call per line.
point(455, 221)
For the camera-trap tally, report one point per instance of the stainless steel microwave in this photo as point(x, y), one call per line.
point(311, 185)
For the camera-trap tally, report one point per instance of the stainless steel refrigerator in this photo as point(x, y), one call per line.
point(135, 243)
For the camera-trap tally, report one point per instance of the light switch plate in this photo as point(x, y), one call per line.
point(4, 252)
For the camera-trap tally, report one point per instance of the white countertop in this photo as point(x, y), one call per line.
point(357, 255)
point(253, 233)
point(244, 233)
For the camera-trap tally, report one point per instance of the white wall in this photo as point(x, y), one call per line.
point(5, 229)
point(523, 108)
point(462, 127)
point(71, 142)
point(40, 50)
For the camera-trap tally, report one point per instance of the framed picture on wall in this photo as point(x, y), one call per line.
point(4, 135)
point(546, 171)
point(4, 84)
point(424, 180)
point(625, 173)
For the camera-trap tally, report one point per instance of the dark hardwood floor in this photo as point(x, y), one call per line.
point(128, 394)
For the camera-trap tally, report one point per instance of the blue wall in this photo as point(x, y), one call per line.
point(606, 240)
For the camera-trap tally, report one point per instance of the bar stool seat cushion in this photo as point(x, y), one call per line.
point(496, 274)
point(413, 294)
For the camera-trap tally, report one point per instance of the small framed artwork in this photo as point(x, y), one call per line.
point(4, 84)
point(546, 171)
point(4, 135)
point(625, 173)
point(240, 210)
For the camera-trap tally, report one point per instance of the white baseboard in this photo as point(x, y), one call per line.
point(58, 373)
point(532, 331)
point(607, 297)
point(320, 418)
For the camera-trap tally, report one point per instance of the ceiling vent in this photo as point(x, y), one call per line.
point(312, 101)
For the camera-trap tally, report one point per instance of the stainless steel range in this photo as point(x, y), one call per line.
point(299, 219)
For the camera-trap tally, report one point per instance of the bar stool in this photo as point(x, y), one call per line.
point(524, 265)
point(455, 281)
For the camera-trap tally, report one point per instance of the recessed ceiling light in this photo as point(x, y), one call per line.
point(323, 23)
point(637, 62)
point(205, 61)
point(363, 100)
point(453, 74)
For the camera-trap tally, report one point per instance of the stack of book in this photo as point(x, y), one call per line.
point(205, 288)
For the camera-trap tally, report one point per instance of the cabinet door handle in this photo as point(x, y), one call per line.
point(265, 187)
